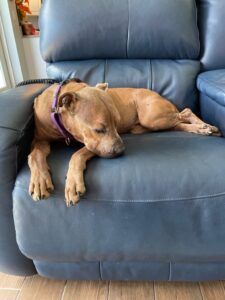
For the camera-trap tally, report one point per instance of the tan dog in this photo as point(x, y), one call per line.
point(96, 116)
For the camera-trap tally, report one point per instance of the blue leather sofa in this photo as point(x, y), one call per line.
point(157, 213)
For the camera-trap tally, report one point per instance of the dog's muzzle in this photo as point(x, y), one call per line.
point(117, 150)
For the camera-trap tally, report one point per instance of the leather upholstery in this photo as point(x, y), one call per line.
point(16, 134)
point(211, 85)
point(174, 80)
point(155, 213)
point(90, 29)
point(156, 203)
point(212, 33)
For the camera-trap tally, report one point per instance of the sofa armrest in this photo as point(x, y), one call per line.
point(16, 131)
point(212, 97)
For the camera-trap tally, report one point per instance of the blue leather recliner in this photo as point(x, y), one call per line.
point(156, 213)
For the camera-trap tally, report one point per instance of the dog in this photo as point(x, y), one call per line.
point(96, 116)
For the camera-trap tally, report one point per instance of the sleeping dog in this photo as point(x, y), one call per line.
point(95, 116)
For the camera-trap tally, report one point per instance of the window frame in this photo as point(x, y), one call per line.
point(4, 59)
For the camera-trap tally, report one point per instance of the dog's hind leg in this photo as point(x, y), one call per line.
point(40, 182)
point(75, 186)
point(186, 116)
point(194, 128)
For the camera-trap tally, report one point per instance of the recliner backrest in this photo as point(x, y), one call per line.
point(112, 29)
point(139, 43)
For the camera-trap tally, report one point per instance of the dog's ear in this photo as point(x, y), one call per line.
point(66, 99)
point(102, 86)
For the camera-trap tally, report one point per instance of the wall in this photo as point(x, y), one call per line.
point(35, 65)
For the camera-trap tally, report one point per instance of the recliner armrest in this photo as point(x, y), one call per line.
point(16, 115)
point(16, 130)
point(16, 105)
point(212, 97)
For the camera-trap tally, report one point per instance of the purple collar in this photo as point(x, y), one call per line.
point(56, 117)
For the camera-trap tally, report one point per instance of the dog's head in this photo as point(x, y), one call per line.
point(91, 117)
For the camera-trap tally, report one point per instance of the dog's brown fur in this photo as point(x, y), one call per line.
point(96, 116)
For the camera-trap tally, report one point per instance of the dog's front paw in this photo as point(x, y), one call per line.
point(74, 189)
point(40, 185)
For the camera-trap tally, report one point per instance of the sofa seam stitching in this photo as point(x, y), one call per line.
point(148, 79)
point(20, 131)
point(128, 27)
point(42, 259)
point(100, 270)
point(151, 73)
point(104, 71)
point(148, 200)
point(9, 128)
point(170, 270)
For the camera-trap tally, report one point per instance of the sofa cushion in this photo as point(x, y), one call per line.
point(164, 200)
point(211, 85)
point(173, 79)
point(90, 29)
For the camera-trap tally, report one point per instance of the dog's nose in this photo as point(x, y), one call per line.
point(118, 149)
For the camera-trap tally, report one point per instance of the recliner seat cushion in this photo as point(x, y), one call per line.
point(162, 201)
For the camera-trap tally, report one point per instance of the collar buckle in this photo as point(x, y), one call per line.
point(67, 140)
point(55, 110)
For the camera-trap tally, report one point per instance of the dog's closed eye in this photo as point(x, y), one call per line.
point(100, 130)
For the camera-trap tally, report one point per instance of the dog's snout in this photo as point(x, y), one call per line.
point(117, 149)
